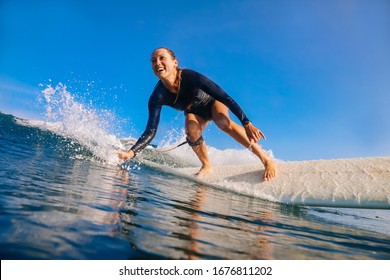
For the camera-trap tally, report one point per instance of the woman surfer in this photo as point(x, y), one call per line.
point(201, 100)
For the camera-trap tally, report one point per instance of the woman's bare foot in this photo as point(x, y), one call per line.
point(204, 170)
point(270, 170)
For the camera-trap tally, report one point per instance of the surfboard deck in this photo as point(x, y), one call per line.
point(359, 182)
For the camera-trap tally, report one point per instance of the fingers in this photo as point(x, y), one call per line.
point(120, 155)
point(262, 135)
point(255, 136)
point(259, 134)
point(124, 155)
point(253, 133)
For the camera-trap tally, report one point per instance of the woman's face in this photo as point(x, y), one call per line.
point(163, 65)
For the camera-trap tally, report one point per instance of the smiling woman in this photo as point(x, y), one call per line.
point(202, 101)
point(165, 67)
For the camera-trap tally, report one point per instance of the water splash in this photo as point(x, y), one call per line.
point(92, 128)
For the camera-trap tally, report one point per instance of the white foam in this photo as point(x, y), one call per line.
point(69, 118)
point(186, 155)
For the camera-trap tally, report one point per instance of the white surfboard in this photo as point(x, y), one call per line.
point(357, 183)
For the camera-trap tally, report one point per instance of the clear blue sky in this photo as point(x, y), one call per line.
point(314, 76)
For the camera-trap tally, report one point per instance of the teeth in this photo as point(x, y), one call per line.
point(160, 69)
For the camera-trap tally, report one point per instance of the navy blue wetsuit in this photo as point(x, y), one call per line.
point(196, 95)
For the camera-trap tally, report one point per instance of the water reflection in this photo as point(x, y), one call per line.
point(173, 219)
point(77, 209)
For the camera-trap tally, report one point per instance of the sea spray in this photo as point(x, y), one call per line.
point(89, 126)
point(183, 156)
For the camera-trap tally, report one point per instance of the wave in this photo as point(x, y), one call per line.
point(77, 131)
point(23, 135)
point(69, 125)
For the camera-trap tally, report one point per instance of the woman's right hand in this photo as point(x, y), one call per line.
point(126, 155)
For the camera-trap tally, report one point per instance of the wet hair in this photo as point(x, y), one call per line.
point(171, 53)
point(176, 84)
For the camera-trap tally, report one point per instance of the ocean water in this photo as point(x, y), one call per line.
point(63, 195)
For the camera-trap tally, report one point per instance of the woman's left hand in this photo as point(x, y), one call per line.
point(253, 133)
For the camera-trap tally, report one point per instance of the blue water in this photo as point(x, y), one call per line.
point(60, 200)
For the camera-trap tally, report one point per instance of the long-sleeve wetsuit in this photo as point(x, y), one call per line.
point(196, 95)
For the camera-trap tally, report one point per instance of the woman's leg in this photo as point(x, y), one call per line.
point(220, 115)
point(194, 129)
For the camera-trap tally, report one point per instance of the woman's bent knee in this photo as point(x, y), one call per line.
point(224, 124)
